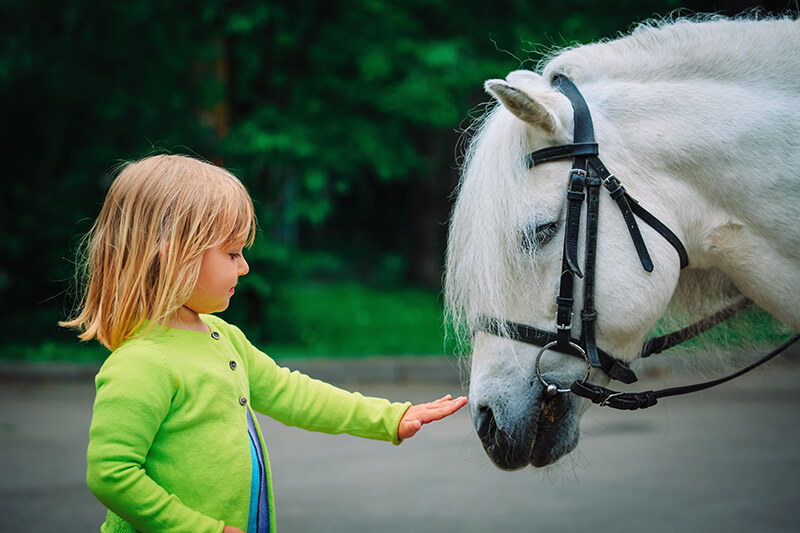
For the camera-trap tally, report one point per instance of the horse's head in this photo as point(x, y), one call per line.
point(505, 261)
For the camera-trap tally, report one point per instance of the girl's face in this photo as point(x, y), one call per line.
point(220, 269)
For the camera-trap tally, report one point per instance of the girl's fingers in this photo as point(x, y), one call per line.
point(417, 415)
point(441, 408)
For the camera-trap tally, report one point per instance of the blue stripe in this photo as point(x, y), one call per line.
point(255, 487)
point(258, 519)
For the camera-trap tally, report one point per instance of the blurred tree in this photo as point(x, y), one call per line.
point(82, 85)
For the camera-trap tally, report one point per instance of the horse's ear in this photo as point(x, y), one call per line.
point(522, 105)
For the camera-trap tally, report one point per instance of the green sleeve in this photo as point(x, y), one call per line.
point(295, 399)
point(134, 393)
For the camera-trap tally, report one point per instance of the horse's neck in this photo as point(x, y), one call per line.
point(717, 160)
point(745, 50)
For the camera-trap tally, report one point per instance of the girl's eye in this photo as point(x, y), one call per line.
point(234, 255)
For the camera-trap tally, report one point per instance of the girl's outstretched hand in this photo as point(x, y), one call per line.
point(417, 415)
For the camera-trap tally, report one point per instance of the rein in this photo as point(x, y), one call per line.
point(585, 179)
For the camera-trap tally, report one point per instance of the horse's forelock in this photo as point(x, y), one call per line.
point(484, 253)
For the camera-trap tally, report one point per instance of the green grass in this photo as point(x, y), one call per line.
point(51, 350)
point(752, 327)
point(321, 319)
point(350, 319)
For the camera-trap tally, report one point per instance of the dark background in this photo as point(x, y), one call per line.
point(344, 119)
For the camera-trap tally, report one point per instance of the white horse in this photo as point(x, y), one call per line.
point(700, 121)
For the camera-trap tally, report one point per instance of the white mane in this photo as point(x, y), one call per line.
point(483, 257)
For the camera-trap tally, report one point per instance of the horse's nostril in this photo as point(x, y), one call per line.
point(498, 443)
point(486, 425)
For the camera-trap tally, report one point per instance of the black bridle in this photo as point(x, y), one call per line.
point(588, 174)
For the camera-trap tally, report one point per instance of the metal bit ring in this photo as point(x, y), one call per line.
point(550, 389)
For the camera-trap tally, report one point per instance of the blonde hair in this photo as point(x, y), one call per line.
point(141, 259)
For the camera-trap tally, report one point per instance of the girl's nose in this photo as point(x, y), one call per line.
point(244, 268)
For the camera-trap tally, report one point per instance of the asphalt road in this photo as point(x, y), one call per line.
point(726, 460)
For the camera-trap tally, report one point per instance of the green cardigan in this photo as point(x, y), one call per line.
point(168, 447)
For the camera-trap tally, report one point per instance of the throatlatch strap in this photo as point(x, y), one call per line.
point(617, 192)
point(648, 218)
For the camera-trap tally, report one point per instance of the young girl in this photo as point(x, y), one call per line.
point(174, 443)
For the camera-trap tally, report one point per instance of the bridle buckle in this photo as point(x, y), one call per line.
point(610, 396)
point(608, 179)
point(580, 172)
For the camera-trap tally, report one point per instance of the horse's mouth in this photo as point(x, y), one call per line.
point(550, 433)
point(555, 434)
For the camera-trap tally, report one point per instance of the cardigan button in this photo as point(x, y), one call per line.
point(243, 401)
point(215, 335)
point(233, 365)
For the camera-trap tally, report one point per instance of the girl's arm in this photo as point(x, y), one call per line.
point(298, 400)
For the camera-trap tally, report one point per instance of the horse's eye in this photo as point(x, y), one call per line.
point(539, 236)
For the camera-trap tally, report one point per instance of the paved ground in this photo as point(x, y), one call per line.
point(724, 460)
